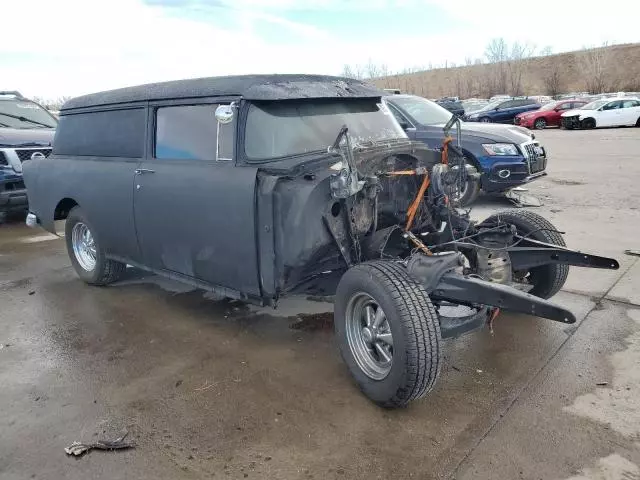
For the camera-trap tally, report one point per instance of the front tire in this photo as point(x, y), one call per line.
point(485, 120)
point(588, 123)
point(546, 280)
point(469, 193)
point(540, 124)
point(388, 333)
point(84, 249)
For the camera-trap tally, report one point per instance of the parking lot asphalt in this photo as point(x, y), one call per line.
point(217, 389)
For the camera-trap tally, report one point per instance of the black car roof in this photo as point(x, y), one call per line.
point(251, 87)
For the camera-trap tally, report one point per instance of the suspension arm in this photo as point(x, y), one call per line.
point(524, 258)
point(471, 291)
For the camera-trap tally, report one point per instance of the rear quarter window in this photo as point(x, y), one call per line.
point(113, 133)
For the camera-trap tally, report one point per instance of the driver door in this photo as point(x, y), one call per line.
point(194, 208)
point(610, 115)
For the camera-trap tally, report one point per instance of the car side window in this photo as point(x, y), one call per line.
point(398, 115)
point(566, 106)
point(613, 105)
point(507, 104)
point(110, 133)
point(630, 103)
point(191, 132)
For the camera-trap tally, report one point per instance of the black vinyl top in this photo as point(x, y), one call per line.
point(250, 87)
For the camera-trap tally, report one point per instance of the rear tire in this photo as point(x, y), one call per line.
point(408, 319)
point(546, 280)
point(540, 124)
point(86, 254)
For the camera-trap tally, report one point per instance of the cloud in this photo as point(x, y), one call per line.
point(73, 47)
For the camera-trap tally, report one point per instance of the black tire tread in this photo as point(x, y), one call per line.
point(107, 271)
point(557, 273)
point(111, 272)
point(420, 320)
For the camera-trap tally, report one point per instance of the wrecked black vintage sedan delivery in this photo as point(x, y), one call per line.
point(255, 187)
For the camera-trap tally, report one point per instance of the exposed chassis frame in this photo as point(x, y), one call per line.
point(437, 274)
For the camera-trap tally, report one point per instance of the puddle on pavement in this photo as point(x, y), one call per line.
point(617, 404)
point(613, 467)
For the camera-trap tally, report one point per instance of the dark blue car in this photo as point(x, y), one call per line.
point(503, 111)
point(26, 132)
point(506, 156)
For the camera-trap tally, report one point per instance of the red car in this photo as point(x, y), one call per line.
point(548, 114)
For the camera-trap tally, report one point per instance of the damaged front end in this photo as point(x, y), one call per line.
point(470, 270)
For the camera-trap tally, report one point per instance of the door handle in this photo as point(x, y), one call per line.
point(142, 171)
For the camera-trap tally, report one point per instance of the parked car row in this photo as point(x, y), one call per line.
point(503, 111)
point(547, 115)
point(618, 112)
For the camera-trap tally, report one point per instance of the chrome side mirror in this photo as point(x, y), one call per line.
point(224, 114)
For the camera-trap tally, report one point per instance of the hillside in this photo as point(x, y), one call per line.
point(605, 69)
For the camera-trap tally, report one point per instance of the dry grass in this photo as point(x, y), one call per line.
point(622, 74)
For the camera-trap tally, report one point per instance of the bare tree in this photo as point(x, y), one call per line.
point(546, 51)
point(385, 75)
point(595, 64)
point(371, 70)
point(459, 82)
point(348, 72)
point(553, 80)
point(497, 53)
point(515, 65)
point(51, 104)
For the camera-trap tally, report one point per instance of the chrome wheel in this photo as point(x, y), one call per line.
point(460, 192)
point(540, 124)
point(84, 247)
point(369, 336)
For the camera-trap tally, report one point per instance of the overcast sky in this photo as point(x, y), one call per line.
point(52, 48)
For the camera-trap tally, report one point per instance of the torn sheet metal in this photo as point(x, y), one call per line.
point(521, 199)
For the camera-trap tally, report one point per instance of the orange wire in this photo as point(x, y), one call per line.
point(411, 212)
point(445, 150)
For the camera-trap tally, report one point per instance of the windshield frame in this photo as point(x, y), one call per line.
point(415, 98)
point(30, 123)
point(324, 150)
